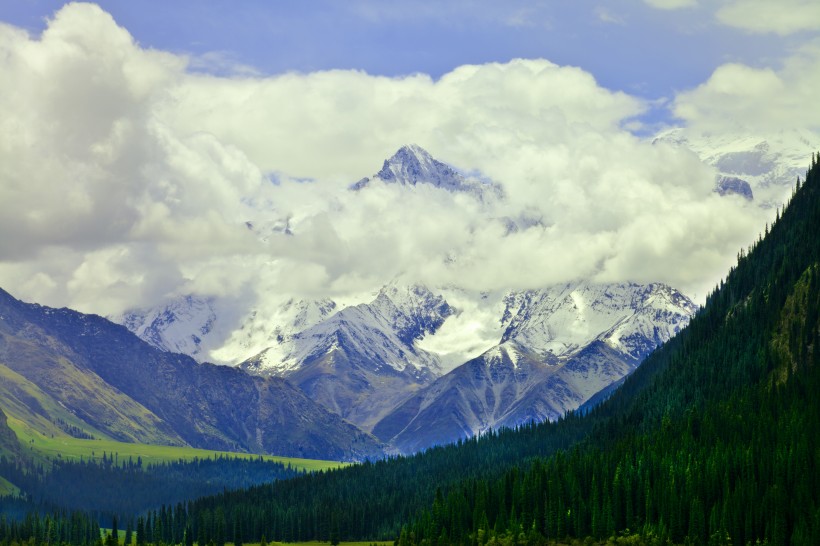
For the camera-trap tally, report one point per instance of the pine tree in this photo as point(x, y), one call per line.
point(115, 532)
point(141, 538)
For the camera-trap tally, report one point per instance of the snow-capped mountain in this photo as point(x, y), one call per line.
point(769, 164)
point(185, 325)
point(560, 347)
point(268, 330)
point(485, 360)
point(412, 165)
point(211, 330)
point(363, 359)
point(560, 321)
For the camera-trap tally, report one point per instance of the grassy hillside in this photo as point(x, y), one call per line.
point(61, 370)
point(41, 384)
point(64, 447)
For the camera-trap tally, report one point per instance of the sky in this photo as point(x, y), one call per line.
point(139, 140)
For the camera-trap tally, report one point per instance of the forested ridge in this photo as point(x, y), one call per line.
point(713, 440)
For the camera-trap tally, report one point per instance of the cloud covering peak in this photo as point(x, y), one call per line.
point(128, 178)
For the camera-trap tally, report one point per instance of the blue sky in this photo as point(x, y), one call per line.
point(137, 138)
point(627, 45)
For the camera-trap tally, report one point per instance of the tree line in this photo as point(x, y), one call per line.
point(128, 487)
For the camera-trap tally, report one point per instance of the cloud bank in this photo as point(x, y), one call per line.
point(761, 16)
point(129, 178)
point(764, 100)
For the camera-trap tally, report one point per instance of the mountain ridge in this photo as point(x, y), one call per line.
point(202, 405)
point(534, 374)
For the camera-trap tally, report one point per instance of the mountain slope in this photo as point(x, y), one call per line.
point(713, 440)
point(9, 446)
point(560, 347)
point(115, 383)
point(179, 327)
point(45, 382)
point(362, 360)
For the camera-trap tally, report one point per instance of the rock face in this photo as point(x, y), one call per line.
point(729, 185)
point(560, 347)
point(118, 385)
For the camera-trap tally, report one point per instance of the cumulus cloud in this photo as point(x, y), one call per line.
point(128, 178)
point(762, 16)
point(757, 16)
point(764, 100)
point(100, 195)
point(335, 123)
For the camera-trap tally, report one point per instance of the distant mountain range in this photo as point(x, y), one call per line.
point(380, 365)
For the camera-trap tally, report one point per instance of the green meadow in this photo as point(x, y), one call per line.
point(54, 447)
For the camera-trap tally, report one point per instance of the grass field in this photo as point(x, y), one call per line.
point(68, 448)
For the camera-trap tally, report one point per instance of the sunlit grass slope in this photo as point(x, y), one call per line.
point(65, 447)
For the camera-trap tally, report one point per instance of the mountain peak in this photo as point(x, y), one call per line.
point(412, 164)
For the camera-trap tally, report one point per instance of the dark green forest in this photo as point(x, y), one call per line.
point(713, 440)
point(113, 487)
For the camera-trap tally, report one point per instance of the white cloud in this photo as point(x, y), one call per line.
point(335, 123)
point(761, 100)
point(102, 197)
point(764, 16)
point(671, 4)
point(129, 178)
point(604, 15)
